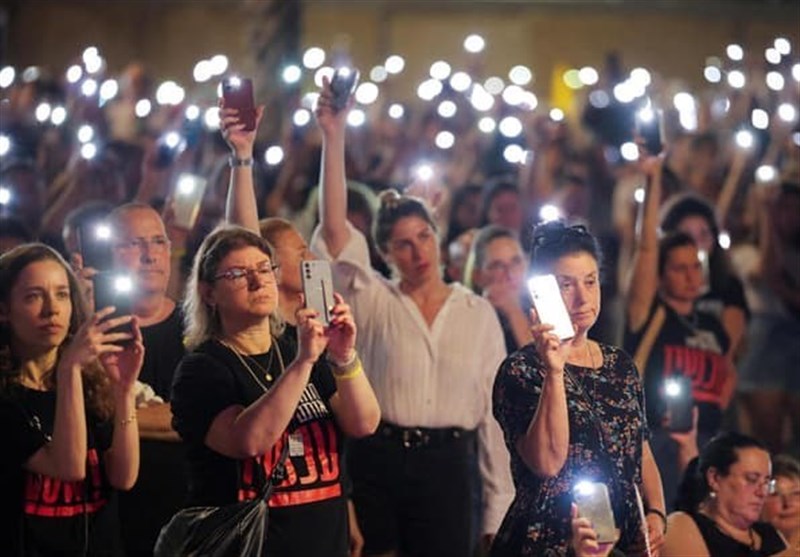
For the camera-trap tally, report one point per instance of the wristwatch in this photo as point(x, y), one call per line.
point(233, 161)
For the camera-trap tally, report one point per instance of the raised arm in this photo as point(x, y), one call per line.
point(240, 206)
point(644, 280)
point(333, 194)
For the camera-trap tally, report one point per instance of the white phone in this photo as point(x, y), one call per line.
point(550, 306)
point(594, 503)
point(189, 191)
point(318, 288)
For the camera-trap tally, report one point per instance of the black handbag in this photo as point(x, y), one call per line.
point(236, 530)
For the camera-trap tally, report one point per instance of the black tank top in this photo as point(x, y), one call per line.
point(721, 545)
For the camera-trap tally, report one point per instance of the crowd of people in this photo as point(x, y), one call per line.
point(435, 412)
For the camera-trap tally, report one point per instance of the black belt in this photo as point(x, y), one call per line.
point(414, 437)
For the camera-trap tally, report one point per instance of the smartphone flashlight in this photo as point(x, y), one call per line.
point(186, 185)
point(744, 139)
point(424, 172)
point(234, 82)
point(549, 213)
point(102, 231)
point(584, 488)
point(123, 284)
point(5, 145)
point(5, 195)
point(672, 388)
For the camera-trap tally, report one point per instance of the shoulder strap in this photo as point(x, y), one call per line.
point(277, 475)
point(649, 339)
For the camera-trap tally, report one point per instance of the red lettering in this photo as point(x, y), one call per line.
point(94, 473)
point(328, 455)
point(50, 490)
point(311, 466)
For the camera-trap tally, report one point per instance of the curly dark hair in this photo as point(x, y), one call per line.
point(553, 240)
point(96, 384)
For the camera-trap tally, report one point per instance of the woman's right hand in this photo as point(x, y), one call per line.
point(330, 121)
point(548, 345)
point(93, 340)
point(584, 538)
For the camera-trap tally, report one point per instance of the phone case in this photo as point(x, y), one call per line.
point(550, 306)
point(593, 503)
point(342, 86)
point(318, 288)
point(95, 251)
point(241, 98)
point(107, 294)
point(187, 198)
point(679, 407)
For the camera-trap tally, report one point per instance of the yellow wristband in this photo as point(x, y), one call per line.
point(348, 371)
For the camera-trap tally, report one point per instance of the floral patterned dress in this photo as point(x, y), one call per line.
point(607, 428)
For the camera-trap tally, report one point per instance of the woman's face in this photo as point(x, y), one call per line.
point(782, 508)
point(245, 287)
point(682, 278)
point(506, 211)
point(741, 493)
point(579, 279)
point(698, 228)
point(413, 249)
point(503, 262)
point(39, 308)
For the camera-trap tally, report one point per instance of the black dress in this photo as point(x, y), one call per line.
point(722, 545)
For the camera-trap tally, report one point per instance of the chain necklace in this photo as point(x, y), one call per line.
point(265, 372)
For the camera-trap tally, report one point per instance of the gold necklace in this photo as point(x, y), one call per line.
point(252, 373)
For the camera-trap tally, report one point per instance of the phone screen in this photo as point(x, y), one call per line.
point(237, 92)
point(550, 306)
point(318, 288)
point(114, 289)
point(94, 244)
point(593, 503)
point(187, 198)
point(677, 392)
point(342, 86)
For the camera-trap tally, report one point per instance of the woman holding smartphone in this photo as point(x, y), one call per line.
point(70, 436)
point(573, 410)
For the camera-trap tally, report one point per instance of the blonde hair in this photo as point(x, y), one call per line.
point(200, 320)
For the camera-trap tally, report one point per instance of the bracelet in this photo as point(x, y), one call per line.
point(660, 515)
point(348, 370)
point(129, 420)
point(234, 162)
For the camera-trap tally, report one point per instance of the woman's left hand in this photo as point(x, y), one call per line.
point(123, 367)
point(341, 332)
point(655, 532)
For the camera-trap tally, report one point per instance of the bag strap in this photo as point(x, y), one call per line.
point(649, 339)
point(277, 475)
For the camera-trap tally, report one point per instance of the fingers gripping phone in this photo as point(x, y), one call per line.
point(343, 84)
point(187, 198)
point(94, 244)
point(318, 288)
point(114, 289)
point(550, 306)
point(678, 403)
point(593, 503)
point(237, 92)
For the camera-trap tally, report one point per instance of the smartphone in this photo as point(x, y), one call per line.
point(116, 289)
point(593, 503)
point(94, 244)
point(702, 255)
point(549, 304)
point(343, 84)
point(649, 127)
point(187, 198)
point(318, 288)
point(168, 147)
point(679, 403)
point(237, 92)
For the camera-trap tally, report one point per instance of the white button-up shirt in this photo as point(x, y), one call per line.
point(437, 376)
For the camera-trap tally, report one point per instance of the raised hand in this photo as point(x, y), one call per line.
point(93, 339)
point(123, 367)
point(240, 141)
point(552, 350)
point(341, 333)
point(330, 121)
point(311, 337)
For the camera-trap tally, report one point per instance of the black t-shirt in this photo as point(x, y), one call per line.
point(729, 294)
point(164, 349)
point(719, 543)
point(55, 515)
point(308, 513)
point(693, 346)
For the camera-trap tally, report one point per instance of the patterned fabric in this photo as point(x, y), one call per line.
point(607, 429)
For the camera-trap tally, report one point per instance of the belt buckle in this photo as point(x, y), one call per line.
point(413, 438)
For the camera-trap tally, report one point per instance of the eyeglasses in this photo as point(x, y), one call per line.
point(240, 276)
point(756, 481)
point(156, 243)
point(496, 267)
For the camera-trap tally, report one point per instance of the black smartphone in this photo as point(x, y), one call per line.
point(649, 127)
point(116, 289)
point(94, 244)
point(679, 403)
point(343, 84)
point(237, 92)
point(318, 288)
point(168, 147)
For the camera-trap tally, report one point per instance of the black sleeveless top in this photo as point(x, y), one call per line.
point(722, 545)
